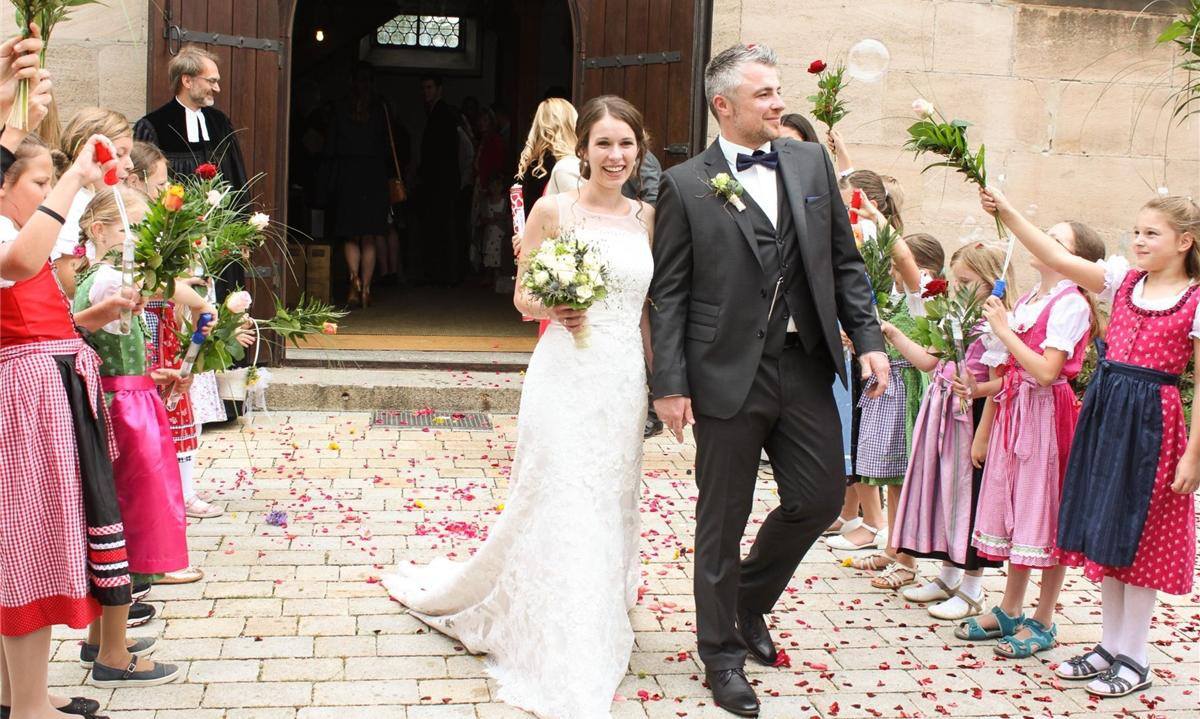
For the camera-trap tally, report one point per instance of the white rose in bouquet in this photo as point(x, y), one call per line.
point(238, 302)
point(260, 220)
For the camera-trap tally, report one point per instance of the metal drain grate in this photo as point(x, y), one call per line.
point(429, 418)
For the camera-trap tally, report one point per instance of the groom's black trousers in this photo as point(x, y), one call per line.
point(791, 412)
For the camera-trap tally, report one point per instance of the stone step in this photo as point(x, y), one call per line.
point(406, 359)
point(347, 389)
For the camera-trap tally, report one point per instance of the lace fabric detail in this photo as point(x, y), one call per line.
point(547, 596)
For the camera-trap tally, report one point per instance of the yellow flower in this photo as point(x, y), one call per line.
point(500, 507)
point(334, 445)
point(419, 504)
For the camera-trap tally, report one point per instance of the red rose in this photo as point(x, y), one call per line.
point(817, 67)
point(936, 286)
point(207, 171)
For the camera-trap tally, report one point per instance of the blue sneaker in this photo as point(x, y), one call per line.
point(141, 648)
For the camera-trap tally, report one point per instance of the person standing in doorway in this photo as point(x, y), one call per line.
point(438, 175)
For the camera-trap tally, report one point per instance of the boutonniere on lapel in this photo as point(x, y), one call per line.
point(728, 189)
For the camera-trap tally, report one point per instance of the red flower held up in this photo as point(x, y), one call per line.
point(936, 286)
point(817, 67)
point(207, 171)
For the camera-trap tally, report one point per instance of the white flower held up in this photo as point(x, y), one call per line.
point(260, 220)
point(238, 302)
point(923, 108)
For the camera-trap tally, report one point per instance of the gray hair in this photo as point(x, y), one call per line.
point(188, 61)
point(723, 73)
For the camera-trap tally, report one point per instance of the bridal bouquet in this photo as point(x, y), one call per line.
point(565, 271)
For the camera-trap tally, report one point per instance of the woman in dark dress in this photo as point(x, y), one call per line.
point(359, 153)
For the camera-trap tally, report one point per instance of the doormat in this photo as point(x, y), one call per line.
point(429, 418)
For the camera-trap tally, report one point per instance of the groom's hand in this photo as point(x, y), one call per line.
point(675, 412)
point(876, 363)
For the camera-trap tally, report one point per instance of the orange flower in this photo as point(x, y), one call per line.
point(329, 328)
point(173, 198)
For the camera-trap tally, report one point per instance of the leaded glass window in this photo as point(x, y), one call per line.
point(423, 31)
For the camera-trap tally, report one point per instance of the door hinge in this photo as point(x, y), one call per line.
point(644, 58)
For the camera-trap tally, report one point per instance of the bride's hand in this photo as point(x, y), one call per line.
point(568, 317)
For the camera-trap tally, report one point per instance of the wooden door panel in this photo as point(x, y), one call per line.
point(666, 93)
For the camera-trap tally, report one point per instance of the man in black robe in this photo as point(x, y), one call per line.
point(188, 129)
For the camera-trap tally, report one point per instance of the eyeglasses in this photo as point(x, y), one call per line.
point(214, 81)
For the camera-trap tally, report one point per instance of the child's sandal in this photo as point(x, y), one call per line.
point(874, 563)
point(1007, 626)
point(890, 578)
point(974, 607)
point(1116, 685)
point(1040, 639)
point(1081, 667)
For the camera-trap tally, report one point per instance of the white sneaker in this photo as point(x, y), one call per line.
point(840, 542)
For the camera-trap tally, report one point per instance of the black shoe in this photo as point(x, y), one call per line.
point(79, 706)
point(732, 692)
point(140, 591)
point(653, 427)
point(139, 614)
point(753, 628)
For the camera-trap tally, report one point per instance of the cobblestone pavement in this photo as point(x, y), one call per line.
point(290, 622)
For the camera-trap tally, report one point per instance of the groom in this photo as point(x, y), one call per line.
point(747, 295)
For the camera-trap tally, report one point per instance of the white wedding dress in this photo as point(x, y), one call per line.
point(547, 595)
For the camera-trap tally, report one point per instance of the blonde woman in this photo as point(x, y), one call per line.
point(551, 144)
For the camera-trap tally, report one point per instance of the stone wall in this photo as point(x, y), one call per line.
point(1069, 99)
point(98, 57)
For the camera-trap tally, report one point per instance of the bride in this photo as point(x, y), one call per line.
point(547, 596)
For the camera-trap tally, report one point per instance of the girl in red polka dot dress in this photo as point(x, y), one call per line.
point(1127, 515)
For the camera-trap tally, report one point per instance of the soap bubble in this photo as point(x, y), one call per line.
point(868, 60)
point(1163, 191)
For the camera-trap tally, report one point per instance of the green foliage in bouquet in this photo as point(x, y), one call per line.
point(166, 241)
point(1184, 32)
point(310, 316)
point(220, 349)
point(228, 235)
point(877, 256)
point(45, 14)
point(943, 312)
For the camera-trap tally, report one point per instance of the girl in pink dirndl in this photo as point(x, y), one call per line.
point(936, 512)
point(147, 473)
point(1128, 514)
point(1037, 350)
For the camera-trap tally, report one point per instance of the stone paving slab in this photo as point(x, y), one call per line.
point(291, 623)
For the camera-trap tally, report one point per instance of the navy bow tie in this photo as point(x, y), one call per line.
point(769, 160)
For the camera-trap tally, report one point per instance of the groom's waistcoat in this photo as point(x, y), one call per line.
point(778, 249)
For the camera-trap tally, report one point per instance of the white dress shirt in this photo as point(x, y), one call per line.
point(197, 128)
point(760, 183)
point(756, 179)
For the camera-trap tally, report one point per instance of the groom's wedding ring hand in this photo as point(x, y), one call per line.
point(877, 364)
point(568, 317)
point(675, 413)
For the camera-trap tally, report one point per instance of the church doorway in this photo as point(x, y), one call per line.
point(436, 287)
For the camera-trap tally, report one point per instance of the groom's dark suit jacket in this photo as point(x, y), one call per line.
point(713, 284)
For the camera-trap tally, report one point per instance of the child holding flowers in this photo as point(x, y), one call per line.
point(1025, 435)
point(60, 526)
point(1127, 514)
point(147, 473)
point(935, 514)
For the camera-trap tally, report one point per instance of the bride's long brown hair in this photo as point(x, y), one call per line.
point(595, 110)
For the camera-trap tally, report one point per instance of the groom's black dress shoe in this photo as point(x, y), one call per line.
point(732, 691)
point(757, 637)
point(653, 426)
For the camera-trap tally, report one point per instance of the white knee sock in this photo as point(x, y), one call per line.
point(1112, 608)
point(1135, 627)
point(972, 585)
point(950, 574)
point(186, 465)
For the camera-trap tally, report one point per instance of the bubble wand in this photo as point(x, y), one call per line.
point(103, 155)
point(189, 359)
